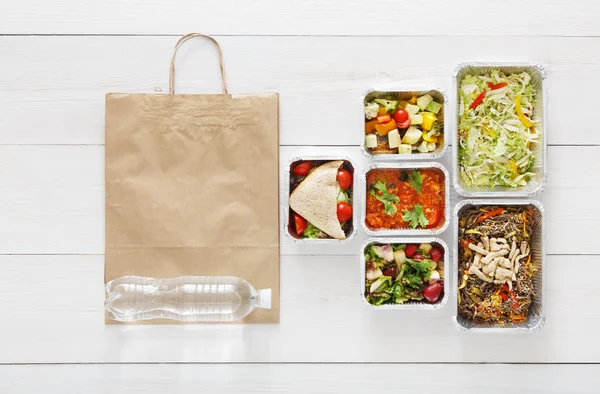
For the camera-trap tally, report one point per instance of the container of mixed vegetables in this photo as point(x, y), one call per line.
point(403, 273)
point(407, 125)
point(500, 145)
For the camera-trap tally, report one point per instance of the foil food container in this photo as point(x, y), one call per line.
point(287, 191)
point(438, 95)
point(537, 309)
point(363, 187)
point(537, 182)
point(410, 305)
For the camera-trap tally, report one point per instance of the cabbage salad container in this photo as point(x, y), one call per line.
point(422, 137)
point(537, 181)
point(442, 267)
point(404, 169)
point(318, 194)
point(537, 310)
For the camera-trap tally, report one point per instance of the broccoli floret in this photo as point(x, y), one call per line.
point(390, 105)
point(371, 110)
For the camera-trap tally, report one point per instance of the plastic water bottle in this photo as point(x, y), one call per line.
point(187, 298)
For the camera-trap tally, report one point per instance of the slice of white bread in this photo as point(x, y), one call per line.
point(315, 199)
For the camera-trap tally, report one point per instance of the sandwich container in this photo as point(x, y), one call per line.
point(537, 310)
point(411, 305)
point(288, 217)
point(402, 232)
point(438, 95)
point(537, 182)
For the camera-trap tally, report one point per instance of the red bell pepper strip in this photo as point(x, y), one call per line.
point(513, 296)
point(490, 214)
point(499, 85)
point(478, 100)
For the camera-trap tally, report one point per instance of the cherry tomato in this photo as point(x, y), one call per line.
point(432, 214)
point(344, 211)
point(344, 178)
point(401, 116)
point(300, 223)
point(435, 254)
point(404, 125)
point(410, 251)
point(303, 169)
point(433, 291)
point(418, 256)
point(391, 272)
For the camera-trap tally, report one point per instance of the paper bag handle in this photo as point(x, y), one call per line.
point(179, 43)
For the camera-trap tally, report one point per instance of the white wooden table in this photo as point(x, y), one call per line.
point(58, 59)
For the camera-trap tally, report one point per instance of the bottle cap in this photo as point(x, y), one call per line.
point(264, 298)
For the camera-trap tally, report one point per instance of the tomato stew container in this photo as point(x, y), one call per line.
point(410, 305)
point(443, 218)
point(537, 310)
point(288, 223)
point(537, 182)
point(439, 96)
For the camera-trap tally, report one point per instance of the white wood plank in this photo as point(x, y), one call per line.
point(52, 313)
point(52, 200)
point(53, 87)
point(270, 17)
point(301, 379)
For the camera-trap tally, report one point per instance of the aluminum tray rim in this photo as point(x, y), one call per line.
point(495, 330)
point(286, 205)
point(411, 157)
point(414, 306)
point(454, 126)
point(404, 232)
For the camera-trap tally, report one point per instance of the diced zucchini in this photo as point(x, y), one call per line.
point(394, 138)
point(434, 107)
point(405, 149)
point(416, 119)
point(412, 136)
point(424, 101)
point(371, 141)
point(411, 109)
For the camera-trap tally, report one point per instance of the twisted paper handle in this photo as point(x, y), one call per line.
point(179, 43)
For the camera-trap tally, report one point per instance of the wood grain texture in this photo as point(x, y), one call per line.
point(268, 17)
point(301, 379)
point(52, 199)
point(53, 87)
point(52, 313)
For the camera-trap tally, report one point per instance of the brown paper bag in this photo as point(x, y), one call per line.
point(192, 187)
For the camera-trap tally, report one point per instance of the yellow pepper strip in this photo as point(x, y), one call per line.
point(413, 99)
point(526, 122)
point(428, 119)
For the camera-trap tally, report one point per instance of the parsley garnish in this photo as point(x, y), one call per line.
point(416, 180)
point(415, 217)
point(388, 199)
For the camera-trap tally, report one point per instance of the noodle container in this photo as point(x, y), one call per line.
point(537, 310)
point(410, 305)
point(538, 180)
point(438, 95)
point(404, 231)
point(287, 225)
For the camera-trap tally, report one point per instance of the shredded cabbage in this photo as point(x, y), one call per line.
point(494, 146)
